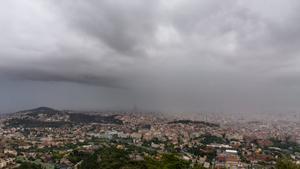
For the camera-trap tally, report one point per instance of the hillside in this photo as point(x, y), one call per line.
point(49, 117)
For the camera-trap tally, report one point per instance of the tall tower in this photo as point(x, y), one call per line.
point(135, 109)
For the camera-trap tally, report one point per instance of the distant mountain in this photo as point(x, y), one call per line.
point(43, 109)
point(49, 117)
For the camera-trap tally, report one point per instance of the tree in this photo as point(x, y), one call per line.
point(28, 165)
point(286, 164)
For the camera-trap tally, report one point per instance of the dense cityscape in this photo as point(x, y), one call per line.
point(51, 139)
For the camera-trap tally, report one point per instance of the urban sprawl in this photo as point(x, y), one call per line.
point(51, 139)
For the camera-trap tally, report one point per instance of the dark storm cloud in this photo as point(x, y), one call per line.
point(172, 55)
point(122, 27)
point(62, 69)
point(47, 76)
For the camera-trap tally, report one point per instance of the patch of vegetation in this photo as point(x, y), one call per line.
point(86, 118)
point(286, 164)
point(108, 158)
point(194, 122)
point(76, 156)
point(28, 165)
point(209, 139)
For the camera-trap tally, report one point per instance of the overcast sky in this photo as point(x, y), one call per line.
point(168, 55)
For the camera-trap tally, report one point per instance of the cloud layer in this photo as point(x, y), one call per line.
point(176, 55)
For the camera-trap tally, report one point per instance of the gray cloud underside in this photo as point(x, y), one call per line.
point(158, 47)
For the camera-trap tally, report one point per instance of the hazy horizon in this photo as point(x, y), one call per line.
point(181, 55)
